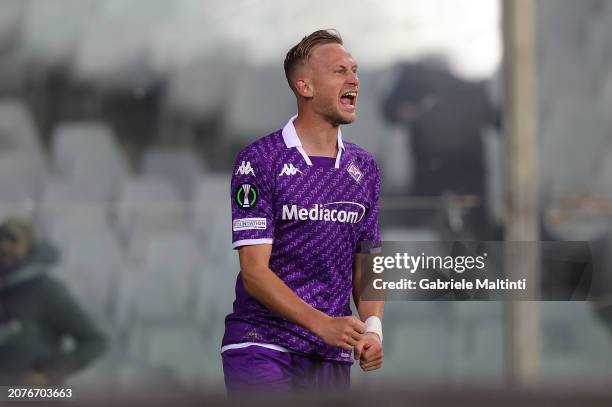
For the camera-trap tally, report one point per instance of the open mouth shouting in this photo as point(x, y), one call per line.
point(348, 100)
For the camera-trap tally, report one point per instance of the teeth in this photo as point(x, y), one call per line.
point(350, 94)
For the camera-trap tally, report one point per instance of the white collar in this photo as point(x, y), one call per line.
point(291, 139)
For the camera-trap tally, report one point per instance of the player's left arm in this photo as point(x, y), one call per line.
point(369, 349)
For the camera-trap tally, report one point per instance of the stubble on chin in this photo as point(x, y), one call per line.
point(337, 118)
point(347, 121)
point(332, 114)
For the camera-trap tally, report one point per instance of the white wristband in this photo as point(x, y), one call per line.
point(373, 324)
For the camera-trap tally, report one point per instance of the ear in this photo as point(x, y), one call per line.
point(304, 88)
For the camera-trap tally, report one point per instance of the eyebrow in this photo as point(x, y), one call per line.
point(355, 66)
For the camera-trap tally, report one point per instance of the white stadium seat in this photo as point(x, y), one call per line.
point(92, 262)
point(17, 128)
point(211, 211)
point(21, 180)
point(149, 206)
point(51, 32)
point(88, 154)
point(105, 62)
point(248, 118)
point(177, 347)
point(181, 167)
point(154, 296)
point(65, 205)
point(201, 88)
point(217, 279)
point(173, 252)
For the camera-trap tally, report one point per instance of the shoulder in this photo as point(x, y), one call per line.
point(361, 155)
point(261, 153)
point(257, 159)
point(264, 147)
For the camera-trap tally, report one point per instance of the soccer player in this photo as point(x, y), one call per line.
point(304, 209)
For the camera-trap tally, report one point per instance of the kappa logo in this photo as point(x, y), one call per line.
point(245, 169)
point(355, 172)
point(289, 169)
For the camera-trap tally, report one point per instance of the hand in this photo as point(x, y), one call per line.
point(369, 352)
point(342, 332)
point(34, 379)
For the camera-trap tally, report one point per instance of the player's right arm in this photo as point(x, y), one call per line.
point(253, 235)
point(266, 287)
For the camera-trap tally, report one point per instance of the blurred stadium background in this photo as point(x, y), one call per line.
point(120, 120)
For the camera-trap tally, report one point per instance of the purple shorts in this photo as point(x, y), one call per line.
point(261, 370)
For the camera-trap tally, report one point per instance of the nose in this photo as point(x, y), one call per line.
point(353, 79)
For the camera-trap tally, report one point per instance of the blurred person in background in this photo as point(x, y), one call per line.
point(38, 314)
point(304, 206)
point(444, 116)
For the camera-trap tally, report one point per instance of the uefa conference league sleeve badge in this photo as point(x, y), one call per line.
point(246, 196)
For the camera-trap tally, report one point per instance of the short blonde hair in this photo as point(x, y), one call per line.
point(300, 52)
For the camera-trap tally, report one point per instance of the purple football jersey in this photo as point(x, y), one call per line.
point(316, 217)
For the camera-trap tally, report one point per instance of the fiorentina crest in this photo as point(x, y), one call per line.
point(355, 172)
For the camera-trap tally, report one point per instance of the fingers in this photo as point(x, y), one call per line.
point(350, 332)
point(372, 358)
point(354, 331)
point(372, 361)
point(356, 336)
point(345, 345)
point(372, 352)
point(373, 365)
point(350, 339)
point(346, 342)
point(357, 325)
point(376, 356)
point(358, 349)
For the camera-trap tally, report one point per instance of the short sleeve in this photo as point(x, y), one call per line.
point(251, 202)
point(369, 236)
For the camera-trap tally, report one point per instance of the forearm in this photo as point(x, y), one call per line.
point(365, 309)
point(368, 309)
point(267, 288)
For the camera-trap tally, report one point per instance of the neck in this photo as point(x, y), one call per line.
point(318, 136)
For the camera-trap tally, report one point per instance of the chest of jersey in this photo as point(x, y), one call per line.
point(321, 198)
